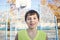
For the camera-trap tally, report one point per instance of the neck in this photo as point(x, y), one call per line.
point(32, 30)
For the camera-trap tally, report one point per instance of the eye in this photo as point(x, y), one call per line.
point(28, 18)
point(34, 18)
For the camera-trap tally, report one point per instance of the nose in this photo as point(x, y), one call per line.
point(32, 20)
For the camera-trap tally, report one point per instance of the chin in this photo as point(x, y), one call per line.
point(32, 27)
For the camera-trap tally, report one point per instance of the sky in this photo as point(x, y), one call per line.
point(5, 6)
point(35, 5)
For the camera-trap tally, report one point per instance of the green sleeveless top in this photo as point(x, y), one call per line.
point(22, 35)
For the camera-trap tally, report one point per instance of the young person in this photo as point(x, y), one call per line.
point(32, 20)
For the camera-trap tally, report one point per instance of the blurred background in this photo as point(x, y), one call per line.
point(12, 17)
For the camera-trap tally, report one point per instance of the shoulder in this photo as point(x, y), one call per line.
point(21, 31)
point(42, 32)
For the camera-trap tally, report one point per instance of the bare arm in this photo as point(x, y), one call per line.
point(16, 38)
point(46, 38)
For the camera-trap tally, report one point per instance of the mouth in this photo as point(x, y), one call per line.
point(31, 24)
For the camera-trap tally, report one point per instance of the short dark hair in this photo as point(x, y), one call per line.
point(31, 12)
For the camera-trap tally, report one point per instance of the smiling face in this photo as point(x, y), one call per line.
point(32, 21)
